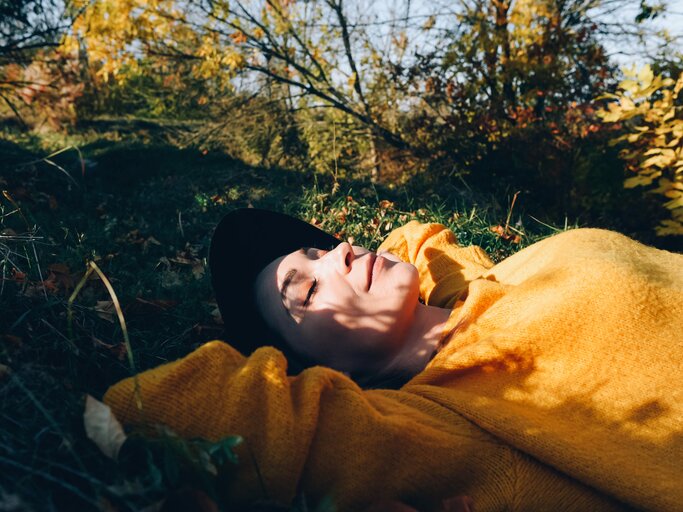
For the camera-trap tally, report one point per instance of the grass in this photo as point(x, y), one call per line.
point(142, 211)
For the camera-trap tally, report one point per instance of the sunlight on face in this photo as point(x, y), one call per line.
point(347, 308)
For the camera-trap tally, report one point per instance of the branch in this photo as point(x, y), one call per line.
point(389, 136)
point(16, 112)
point(337, 8)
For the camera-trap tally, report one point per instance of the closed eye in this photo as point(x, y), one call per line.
point(311, 292)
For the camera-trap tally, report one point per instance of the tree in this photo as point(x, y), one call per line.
point(29, 31)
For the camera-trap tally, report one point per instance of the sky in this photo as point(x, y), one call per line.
point(624, 55)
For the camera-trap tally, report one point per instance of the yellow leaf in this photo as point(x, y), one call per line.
point(629, 85)
point(669, 227)
point(679, 85)
point(645, 76)
point(637, 181)
point(659, 161)
point(627, 103)
point(674, 203)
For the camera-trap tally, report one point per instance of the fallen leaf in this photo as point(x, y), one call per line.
point(18, 275)
point(216, 315)
point(501, 232)
point(105, 310)
point(102, 427)
point(198, 270)
point(118, 350)
point(58, 268)
point(61, 276)
point(180, 260)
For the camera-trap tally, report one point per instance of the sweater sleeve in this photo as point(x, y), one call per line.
point(317, 432)
point(444, 266)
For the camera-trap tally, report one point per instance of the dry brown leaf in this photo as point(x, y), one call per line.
point(198, 269)
point(105, 310)
point(501, 232)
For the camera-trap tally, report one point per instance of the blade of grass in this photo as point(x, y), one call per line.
point(507, 221)
point(69, 308)
point(92, 267)
point(557, 230)
point(47, 160)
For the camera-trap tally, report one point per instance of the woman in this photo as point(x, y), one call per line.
point(550, 381)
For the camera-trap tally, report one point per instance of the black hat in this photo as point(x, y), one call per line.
point(245, 241)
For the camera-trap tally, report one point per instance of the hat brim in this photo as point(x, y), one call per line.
point(245, 241)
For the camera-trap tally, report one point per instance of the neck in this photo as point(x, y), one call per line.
point(421, 340)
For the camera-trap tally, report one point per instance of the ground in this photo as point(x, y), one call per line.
point(125, 201)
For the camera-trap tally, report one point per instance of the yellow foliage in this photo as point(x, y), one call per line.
point(116, 34)
point(646, 106)
point(528, 19)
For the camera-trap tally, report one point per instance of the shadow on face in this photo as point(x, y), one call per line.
point(352, 323)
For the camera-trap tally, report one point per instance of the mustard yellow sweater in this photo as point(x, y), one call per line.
point(561, 388)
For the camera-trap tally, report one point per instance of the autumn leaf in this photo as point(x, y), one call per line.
point(105, 310)
point(102, 427)
point(502, 233)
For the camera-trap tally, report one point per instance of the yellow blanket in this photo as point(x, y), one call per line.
point(561, 388)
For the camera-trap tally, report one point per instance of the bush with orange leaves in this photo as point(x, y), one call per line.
point(43, 94)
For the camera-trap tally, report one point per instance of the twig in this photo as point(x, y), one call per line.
point(507, 221)
point(9, 198)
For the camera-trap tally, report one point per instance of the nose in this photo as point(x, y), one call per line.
point(341, 257)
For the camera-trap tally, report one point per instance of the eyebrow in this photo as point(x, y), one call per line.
point(288, 279)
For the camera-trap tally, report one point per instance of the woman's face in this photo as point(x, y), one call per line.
point(347, 308)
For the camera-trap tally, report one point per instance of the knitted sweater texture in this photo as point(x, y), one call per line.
point(560, 388)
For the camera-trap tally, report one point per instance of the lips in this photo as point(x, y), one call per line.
point(375, 266)
point(371, 265)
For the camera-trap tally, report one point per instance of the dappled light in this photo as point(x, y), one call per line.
point(519, 161)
